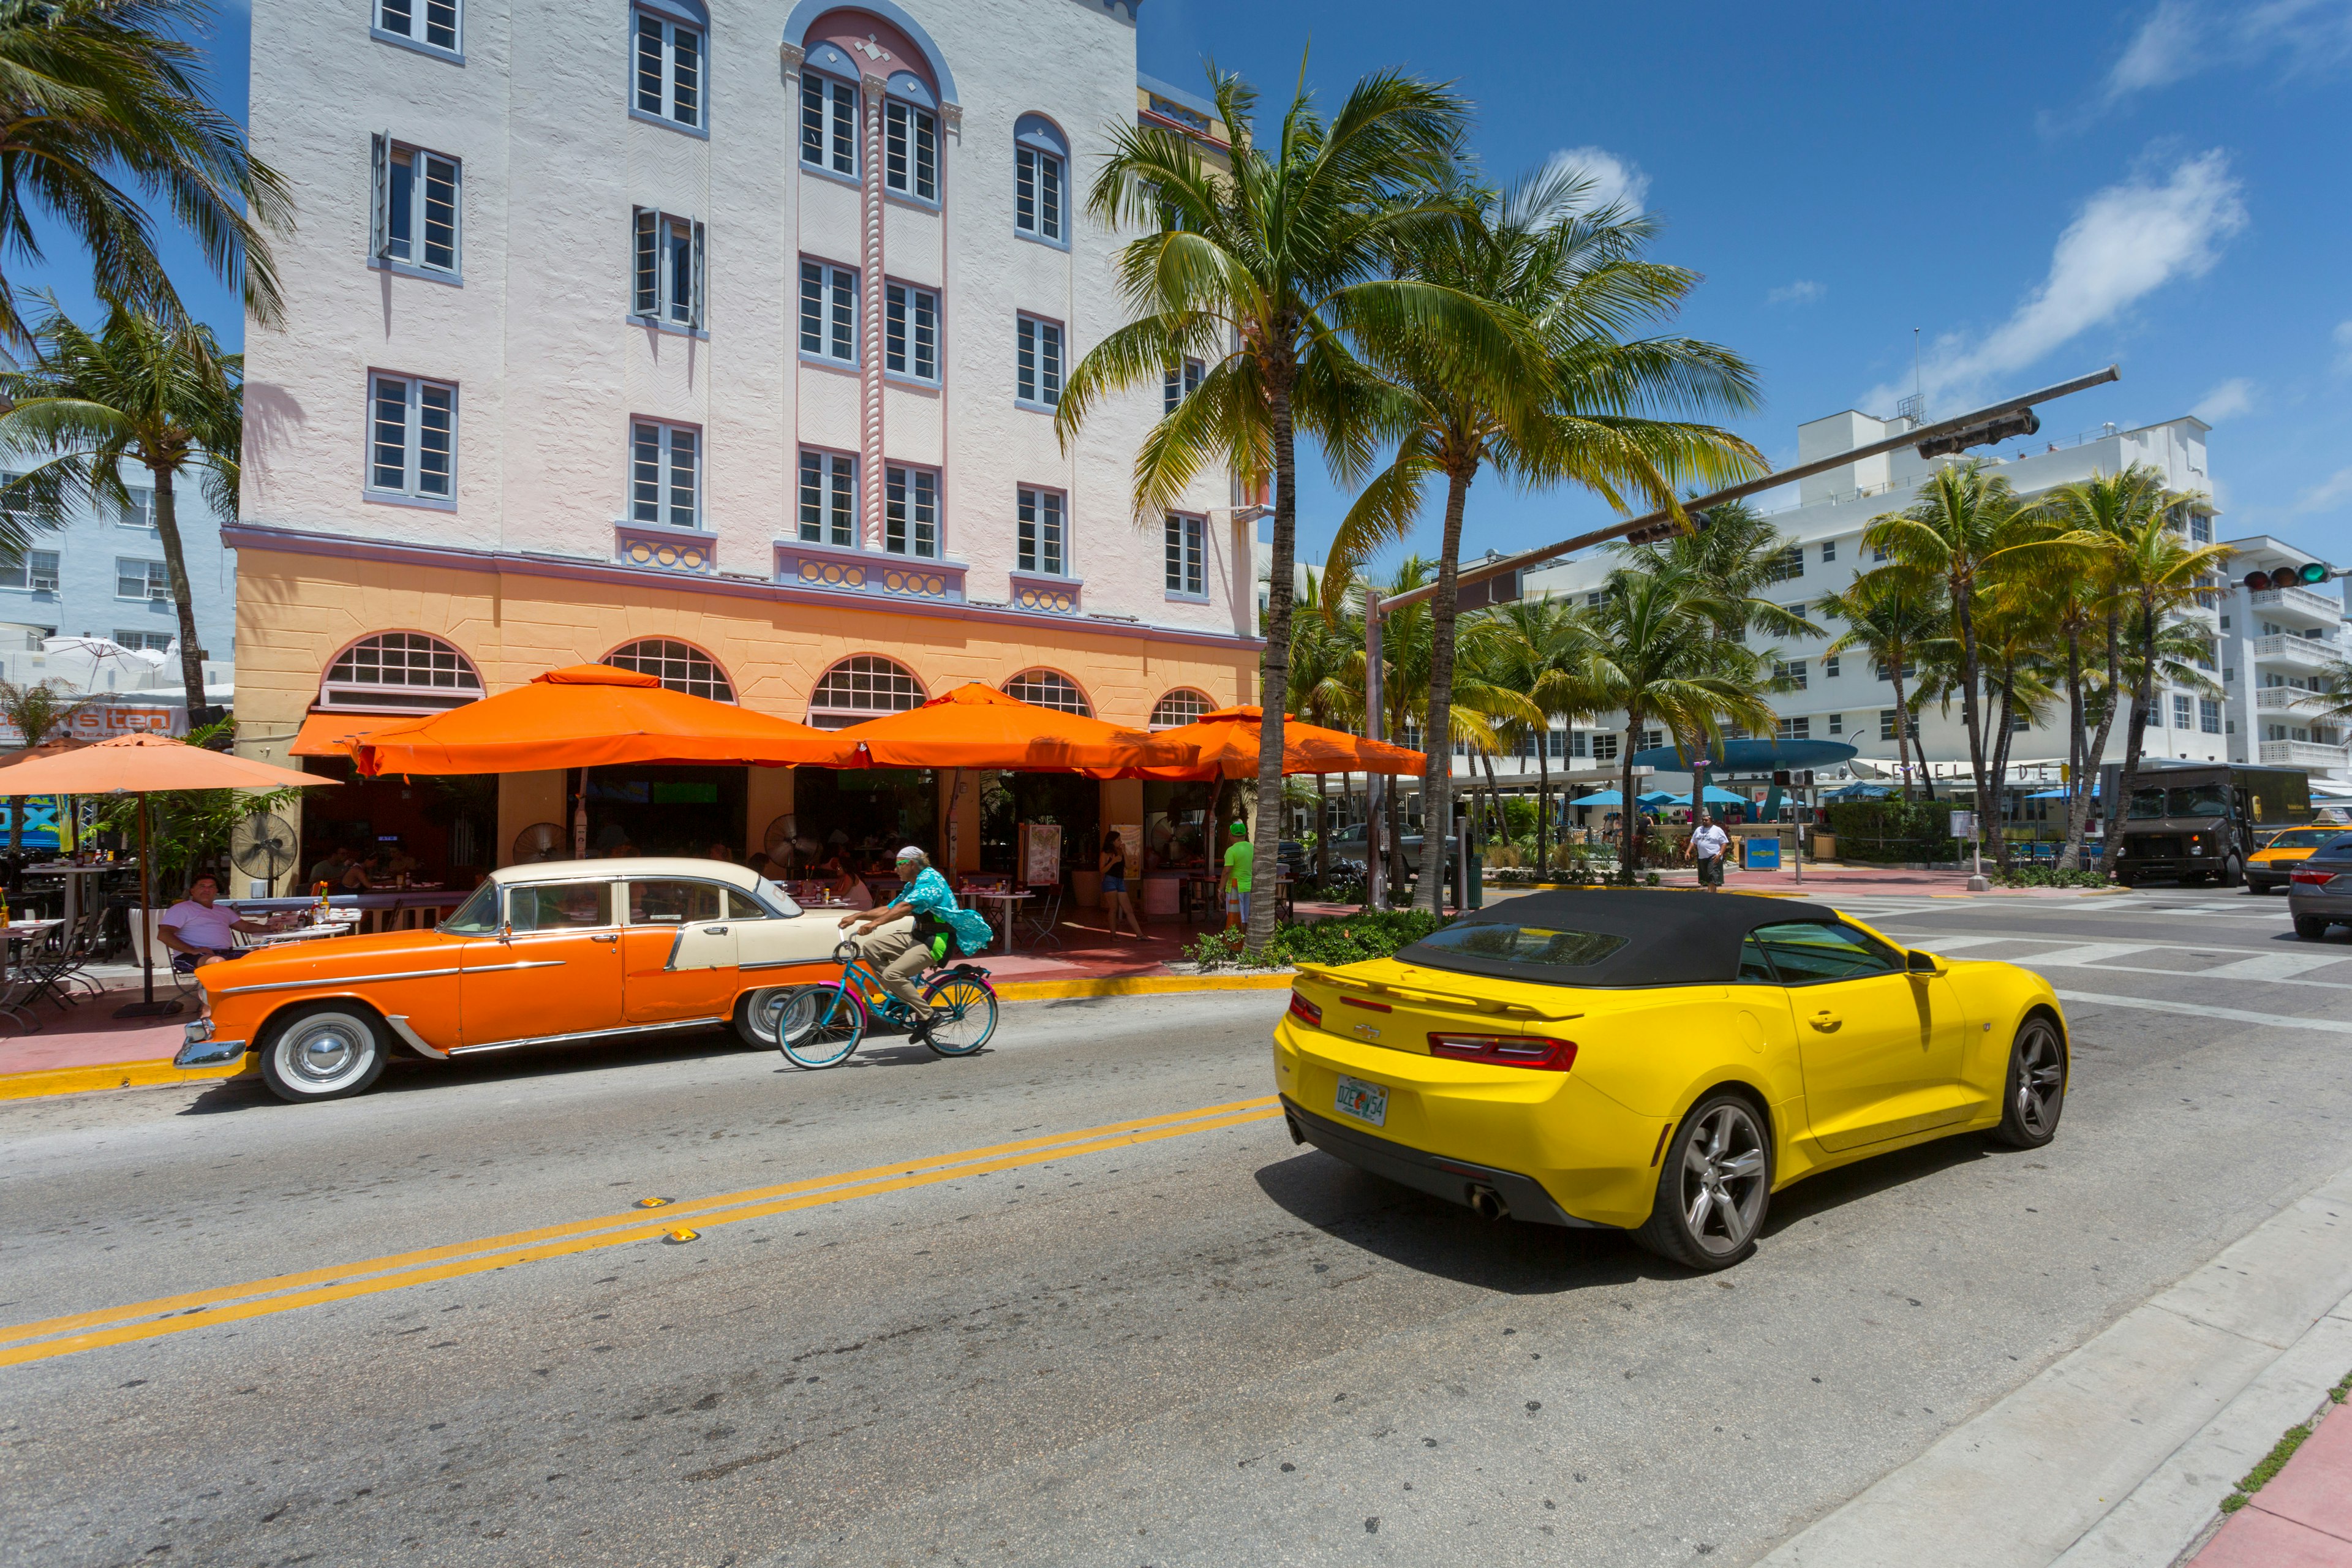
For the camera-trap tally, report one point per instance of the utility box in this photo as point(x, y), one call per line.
point(1761, 852)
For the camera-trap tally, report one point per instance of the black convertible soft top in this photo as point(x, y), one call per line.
point(1665, 936)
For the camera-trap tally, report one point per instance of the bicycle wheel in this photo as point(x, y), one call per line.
point(837, 1024)
point(964, 1014)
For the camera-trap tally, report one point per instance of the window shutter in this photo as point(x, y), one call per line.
point(701, 293)
point(380, 182)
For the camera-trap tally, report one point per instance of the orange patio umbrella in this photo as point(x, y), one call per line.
point(589, 716)
point(977, 726)
point(142, 765)
point(1227, 743)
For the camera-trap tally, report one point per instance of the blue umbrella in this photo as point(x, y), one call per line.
point(1749, 755)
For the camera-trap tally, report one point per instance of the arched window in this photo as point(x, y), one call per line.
point(1048, 689)
point(829, 110)
point(861, 687)
point(400, 673)
point(680, 666)
point(910, 137)
point(1041, 167)
point(1182, 706)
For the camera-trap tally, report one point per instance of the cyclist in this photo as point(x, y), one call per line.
point(899, 957)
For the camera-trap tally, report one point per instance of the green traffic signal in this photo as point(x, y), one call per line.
point(2314, 572)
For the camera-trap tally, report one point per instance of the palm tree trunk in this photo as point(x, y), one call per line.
point(1273, 663)
point(1437, 776)
point(1972, 711)
point(1543, 803)
point(1322, 827)
point(1392, 830)
point(1903, 735)
point(1629, 852)
point(2136, 731)
point(175, 562)
point(2078, 789)
point(2004, 712)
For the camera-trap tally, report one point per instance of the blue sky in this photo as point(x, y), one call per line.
point(2039, 190)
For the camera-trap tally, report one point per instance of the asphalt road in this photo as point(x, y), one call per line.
point(1184, 1343)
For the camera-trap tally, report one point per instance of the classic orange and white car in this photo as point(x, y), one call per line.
point(540, 955)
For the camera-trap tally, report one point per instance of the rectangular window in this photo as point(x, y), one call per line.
point(1187, 538)
point(2208, 715)
point(1887, 720)
point(1038, 362)
point(667, 283)
point(142, 579)
point(2181, 711)
point(1788, 563)
point(1041, 531)
point(1791, 671)
point(2020, 722)
point(413, 438)
point(670, 70)
point(1592, 600)
point(139, 513)
point(1653, 739)
point(829, 499)
point(910, 332)
point(910, 151)
point(146, 641)
point(1837, 724)
point(828, 123)
point(1177, 386)
point(34, 570)
point(1830, 667)
point(1878, 670)
point(1036, 192)
point(665, 469)
point(910, 512)
point(433, 22)
point(1829, 550)
point(415, 219)
point(1604, 745)
point(829, 311)
point(1793, 730)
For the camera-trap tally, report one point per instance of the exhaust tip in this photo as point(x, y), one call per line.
point(1297, 1135)
point(1487, 1203)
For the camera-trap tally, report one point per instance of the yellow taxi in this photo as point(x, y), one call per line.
point(2268, 867)
point(1659, 1061)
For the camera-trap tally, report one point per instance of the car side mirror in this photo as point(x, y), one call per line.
point(1918, 963)
point(506, 932)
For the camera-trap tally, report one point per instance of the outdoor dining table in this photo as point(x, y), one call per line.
point(1004, 900)
point(18, 987)
point(74, 874)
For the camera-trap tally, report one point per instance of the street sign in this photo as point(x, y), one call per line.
point(1964, 825)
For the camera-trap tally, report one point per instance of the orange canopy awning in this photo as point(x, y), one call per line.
point(141, 764)
point(589, 716)
point(1227, 743)
point(976, 726)
point(334, 735)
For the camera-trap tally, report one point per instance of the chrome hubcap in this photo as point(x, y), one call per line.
point(1723, 1180)
point(323, 1054)
point(2040, 1079)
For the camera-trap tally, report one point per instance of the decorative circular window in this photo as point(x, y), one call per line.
point(1047, 689)
point(400, 673)
point(1182, 706)
point(680, 666)
point(861, 687)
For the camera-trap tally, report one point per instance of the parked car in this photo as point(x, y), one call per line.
point(1723, 1048)
point(546, 953)
point(2268, 867)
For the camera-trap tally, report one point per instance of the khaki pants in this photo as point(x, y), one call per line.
point(895, 955)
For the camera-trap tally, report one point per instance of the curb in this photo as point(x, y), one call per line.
point(2105, 1438)
point(49, 1082)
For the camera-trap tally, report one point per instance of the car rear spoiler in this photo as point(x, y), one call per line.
point(1330, 977)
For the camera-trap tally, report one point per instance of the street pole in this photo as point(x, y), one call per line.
point(1376, 872)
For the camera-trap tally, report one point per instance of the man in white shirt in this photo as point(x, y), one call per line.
point(199, 932)
point(1707, 845)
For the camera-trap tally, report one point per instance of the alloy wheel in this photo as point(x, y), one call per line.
point(1725, 1180)
point(2040, 1082)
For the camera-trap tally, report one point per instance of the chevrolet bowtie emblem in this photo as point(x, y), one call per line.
point(1368, 1032)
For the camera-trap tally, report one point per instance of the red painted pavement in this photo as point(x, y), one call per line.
point(2304, 1518)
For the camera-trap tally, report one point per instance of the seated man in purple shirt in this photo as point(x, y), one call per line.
point(197, 931)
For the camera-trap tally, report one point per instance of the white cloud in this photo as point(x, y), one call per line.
point(1612, 180)
point(2127, 241)
point(2327, 494)
point(2182, 37)
point(1804, 291)
point(2231, 398)
point(2344, 346)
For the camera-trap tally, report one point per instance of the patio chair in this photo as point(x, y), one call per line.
point(76, 948)
point(1046, 913)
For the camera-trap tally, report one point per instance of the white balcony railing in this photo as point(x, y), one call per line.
point(2321, 608)
point(2302, 653)
point(2301, 754)
point(2286, 699)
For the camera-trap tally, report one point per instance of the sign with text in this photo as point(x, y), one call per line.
point(104, 721)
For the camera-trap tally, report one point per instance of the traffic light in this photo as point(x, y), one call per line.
point(2311, 574)
point(2000, 427)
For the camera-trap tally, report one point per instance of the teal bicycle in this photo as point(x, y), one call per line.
point(822, 1026)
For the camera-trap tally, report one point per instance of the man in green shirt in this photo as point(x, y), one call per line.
point(1236, 879)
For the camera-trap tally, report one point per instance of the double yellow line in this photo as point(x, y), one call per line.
point(286, 1292)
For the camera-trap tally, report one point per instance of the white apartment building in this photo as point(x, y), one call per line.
point(722, 338)
point(2269, 645)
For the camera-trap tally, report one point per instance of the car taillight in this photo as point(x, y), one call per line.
point(1305, 1012)
point(2311, 879)
point(1507, 1050)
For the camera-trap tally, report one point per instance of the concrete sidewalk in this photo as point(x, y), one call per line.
point(2303, 1516)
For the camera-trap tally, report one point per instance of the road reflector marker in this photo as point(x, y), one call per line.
point(653, 1203)
point(682, 1234)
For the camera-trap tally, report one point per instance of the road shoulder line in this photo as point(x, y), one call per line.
point(2098, 1424)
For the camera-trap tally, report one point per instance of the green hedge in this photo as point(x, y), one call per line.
point(1893, 831)
point(1349, 938)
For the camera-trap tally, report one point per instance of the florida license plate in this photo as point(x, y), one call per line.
point(1367, 1102)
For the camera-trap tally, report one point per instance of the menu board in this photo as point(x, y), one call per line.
point(1041, 854)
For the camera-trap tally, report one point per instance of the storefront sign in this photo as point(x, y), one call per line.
point(1041, 854)
point(104, 721)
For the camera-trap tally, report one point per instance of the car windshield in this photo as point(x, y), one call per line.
point(2201, 800)
point(477, 916)
point(2147, 803)
point(1500, 947)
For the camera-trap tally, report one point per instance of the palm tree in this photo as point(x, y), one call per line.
point(100, 104)
point(1267, 270)
point(1664, 661)
point(1542, 649)
point(2157, 575)
point(143, 392)
point(2015, 623)
point(1947, 539)
point(1319, 694)
point(1576, 277)
point(1893, 622)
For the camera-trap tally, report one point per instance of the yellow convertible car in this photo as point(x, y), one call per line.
point(1659, 1061)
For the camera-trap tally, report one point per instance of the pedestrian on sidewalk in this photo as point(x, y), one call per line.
point(1707, 845)
point(1235, 882)
point(1114, 884)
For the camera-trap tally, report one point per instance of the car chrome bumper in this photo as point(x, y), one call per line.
point(202, 1050)
point(1439, 1176)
